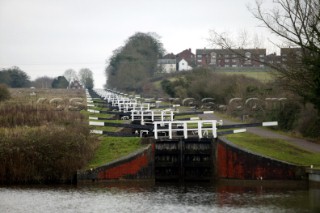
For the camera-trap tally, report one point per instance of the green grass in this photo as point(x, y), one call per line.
point(259, 75)
point(276, 148)
point(185, 116)
point(98, 115)
point(112, 148)
point(107, 128)
point(99, 108)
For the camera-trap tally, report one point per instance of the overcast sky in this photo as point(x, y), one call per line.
point(47, 37)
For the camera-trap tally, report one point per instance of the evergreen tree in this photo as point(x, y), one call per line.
point(135, 62)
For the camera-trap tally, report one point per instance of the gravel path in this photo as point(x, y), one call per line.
point(301, 143)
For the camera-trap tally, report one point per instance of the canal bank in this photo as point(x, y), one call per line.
point(208, 160)
point(179, 155)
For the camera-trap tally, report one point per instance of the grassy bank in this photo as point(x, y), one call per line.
point(275, 148)
point(112, 148)
point(262, 76)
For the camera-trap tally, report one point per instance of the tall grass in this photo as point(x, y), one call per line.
point(40, 144)
point(43, 154)
point(26, 114)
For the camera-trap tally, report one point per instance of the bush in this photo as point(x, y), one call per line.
point(286, 115)
point(167, 87)
point(4, 93)
point(309, 122)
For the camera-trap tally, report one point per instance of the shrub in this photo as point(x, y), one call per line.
point(167, 87)
point(309, 122)
point(4, 93)
point(286, 115)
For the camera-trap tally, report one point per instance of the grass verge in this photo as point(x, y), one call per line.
point(275, 148)
point(112, 148)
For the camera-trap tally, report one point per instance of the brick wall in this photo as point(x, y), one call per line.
point(233, 162)
point(138, 165)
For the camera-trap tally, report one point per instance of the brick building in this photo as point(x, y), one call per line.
point(290, 54)
point(189, 58)
point(230, 58)
point(167, 63)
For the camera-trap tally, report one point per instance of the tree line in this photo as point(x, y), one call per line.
point(14, 77)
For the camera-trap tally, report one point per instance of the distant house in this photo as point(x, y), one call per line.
point(291, 54)
point(287, 55)
point(168, 63)
point(185, 60)
point(183, 65)
point(274, 59)
point(230, 58)
point(75, 84)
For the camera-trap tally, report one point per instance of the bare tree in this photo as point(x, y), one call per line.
point(295, 21)
point(42, 82)
point(70, 75)
point(298, 23)
point(86, 78)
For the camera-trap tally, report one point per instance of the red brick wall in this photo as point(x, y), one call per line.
point(127, 169)
point(235, 163)
point(139, 165)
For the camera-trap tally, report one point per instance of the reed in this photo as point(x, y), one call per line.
point(42, 143)
point(26, 114)
point(44, 154)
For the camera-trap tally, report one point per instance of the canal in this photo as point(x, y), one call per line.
point(161, 197)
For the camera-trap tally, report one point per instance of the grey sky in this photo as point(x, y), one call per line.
point(46, 37)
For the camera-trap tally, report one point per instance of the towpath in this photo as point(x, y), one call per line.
point(301, 143)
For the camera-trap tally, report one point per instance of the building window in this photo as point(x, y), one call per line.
point(226, 60)
point(213, 58)
point(247, 55)
point(199, 56)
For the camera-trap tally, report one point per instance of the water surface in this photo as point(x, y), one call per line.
point(140, 197)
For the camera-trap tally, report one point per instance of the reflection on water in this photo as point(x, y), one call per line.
point(142, 197)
